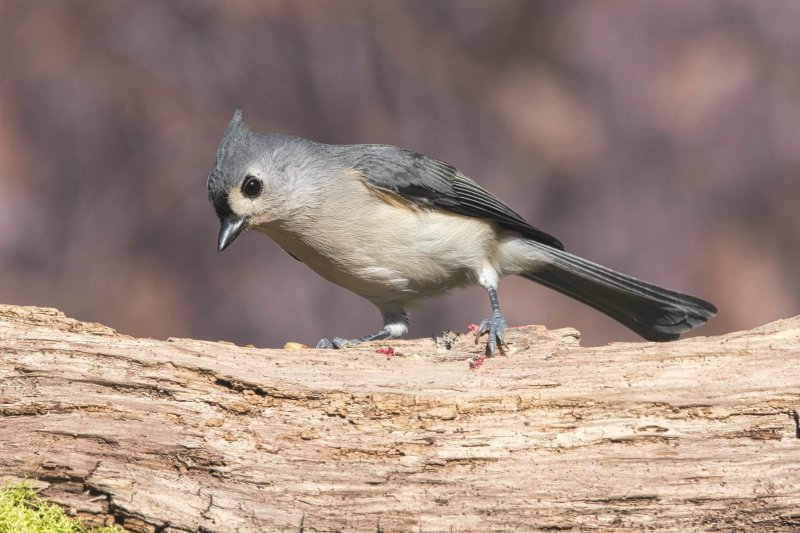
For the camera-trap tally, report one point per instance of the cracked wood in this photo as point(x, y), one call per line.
point(188, 435)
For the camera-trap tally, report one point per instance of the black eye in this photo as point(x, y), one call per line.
point(251, 187)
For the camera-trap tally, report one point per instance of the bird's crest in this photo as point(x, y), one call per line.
point(233, 137)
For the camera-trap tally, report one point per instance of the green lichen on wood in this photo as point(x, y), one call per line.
point(23, 511)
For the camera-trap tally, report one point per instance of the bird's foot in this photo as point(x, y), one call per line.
point(495, 327)
point(336, 344)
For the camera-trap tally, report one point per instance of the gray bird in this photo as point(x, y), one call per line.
point(396, 227)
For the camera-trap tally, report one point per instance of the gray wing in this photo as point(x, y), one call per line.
point(428, 182)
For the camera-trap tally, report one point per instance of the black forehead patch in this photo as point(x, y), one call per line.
point(221, 205)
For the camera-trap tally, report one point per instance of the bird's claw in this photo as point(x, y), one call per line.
point(495, 327)
point(336, 344)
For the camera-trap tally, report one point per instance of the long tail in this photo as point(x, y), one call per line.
point(655, 313)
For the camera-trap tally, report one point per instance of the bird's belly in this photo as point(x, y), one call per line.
point(419, 254)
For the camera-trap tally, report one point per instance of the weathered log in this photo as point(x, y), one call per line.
point(188, 435)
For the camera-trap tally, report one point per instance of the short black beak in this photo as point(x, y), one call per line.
point(231, 228)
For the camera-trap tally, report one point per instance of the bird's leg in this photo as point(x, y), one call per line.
point(395, 320)
point(338, 342)
point(495, 326)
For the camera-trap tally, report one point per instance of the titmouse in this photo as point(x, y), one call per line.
point(396, 227)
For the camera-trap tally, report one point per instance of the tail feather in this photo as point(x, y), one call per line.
point(655, 313)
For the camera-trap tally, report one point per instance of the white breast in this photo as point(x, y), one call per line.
point(387, 250)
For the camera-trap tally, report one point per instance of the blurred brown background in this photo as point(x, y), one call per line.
point(658, 138)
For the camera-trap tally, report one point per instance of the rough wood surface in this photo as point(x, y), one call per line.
point(187, 435)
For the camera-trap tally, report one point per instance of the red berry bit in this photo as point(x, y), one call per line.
point(388, 351)
point(477, 362)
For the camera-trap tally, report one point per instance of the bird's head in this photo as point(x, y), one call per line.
point(251, 180)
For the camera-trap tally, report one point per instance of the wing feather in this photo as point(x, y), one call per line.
point(428, 182)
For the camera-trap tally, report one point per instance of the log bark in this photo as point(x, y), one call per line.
point(188, 435)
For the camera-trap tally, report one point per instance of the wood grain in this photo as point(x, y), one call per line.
point(188, 435)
